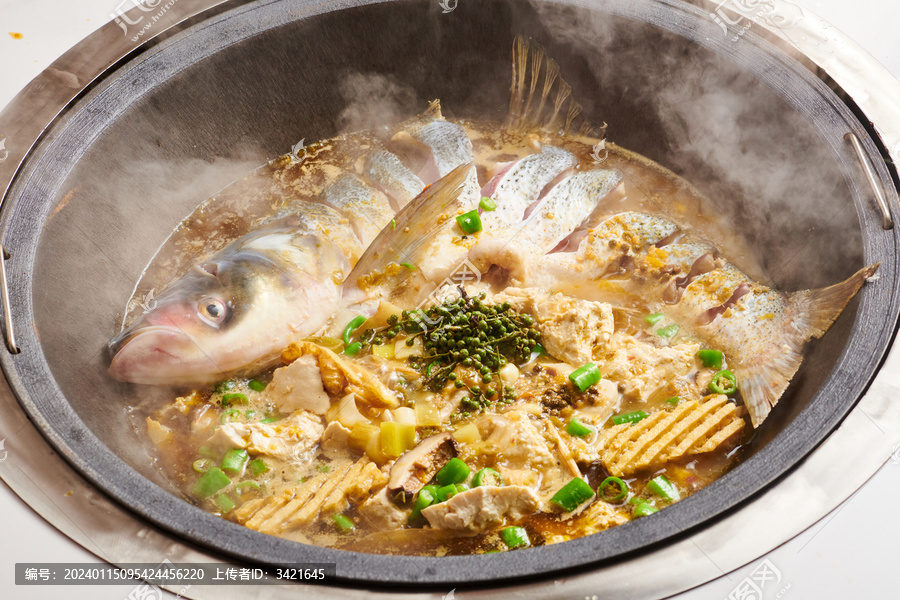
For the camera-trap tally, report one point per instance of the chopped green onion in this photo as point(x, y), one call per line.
point(353, 348)
point(270, 420)
point(632, 417)
point(710, 358)
point(323, 468)
point(408, 266)
point(352, 326)
point(664, 488)
point(343, 523)
point(642, 509)
point(488, 476)
point(446, 492)
point(206, 451)
point(572, 495)
point(538, 349)
point(654, 318)
point(723, 382)
point(257, 467)
point(578, 429)
point(515, 537)
point(245, 486)
point(455, 471)
point(487, 204)
point(229, 415)
point(585, 376)
point(229, 399)
point(225, 503)
point(250, 414)
point(668, 331)
point(256, 385)
point(234, 460)
point(424, 499)
point(674, 400)
point(613, 481)
point(211, 482)
point(469, 222)
point(202, 465)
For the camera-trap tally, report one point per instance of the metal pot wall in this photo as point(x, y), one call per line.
point(119, 169)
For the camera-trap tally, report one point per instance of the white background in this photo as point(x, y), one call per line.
point(851, 553)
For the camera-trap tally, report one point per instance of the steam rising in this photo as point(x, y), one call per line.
point(373, 100)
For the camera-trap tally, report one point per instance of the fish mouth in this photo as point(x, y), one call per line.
point(153, 355)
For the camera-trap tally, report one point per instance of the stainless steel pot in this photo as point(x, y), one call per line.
point(118, 169)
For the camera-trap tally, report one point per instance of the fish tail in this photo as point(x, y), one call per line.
point(810, 314)
point(533, 73)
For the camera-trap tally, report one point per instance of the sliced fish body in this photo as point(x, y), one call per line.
point(320, 220)
point(368, 208)
point(394, 178)
point(709, 291)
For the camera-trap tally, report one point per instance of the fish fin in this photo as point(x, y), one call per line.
point(414, 225)
point(540, 98)
point(812, 312)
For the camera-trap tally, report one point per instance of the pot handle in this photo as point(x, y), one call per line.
point(880, 198)
point(31, 113)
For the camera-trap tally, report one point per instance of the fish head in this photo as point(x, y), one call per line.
point(230, 316)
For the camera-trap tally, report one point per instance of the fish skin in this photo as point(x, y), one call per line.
point(387, 172)
point(370, 207)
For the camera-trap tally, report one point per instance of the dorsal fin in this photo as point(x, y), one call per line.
point(533, 73)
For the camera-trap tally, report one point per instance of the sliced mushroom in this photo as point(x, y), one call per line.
point(416, 468)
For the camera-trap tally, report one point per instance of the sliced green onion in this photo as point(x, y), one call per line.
point(257, 467)
point(585, 376)
point(225, 503)
point(664, 488)
point(229, 415)
point(234, 460)
point(393, 223)
point(270, 420)
point(424, 499)
point(578, 429)
point(674, 400)
point(408, 266)
point(723, 382)
point(206, 451)
point(469, 222)
point(488, 476)
point(352, 326)
point(515, 537)
point(668, 331)
point(256, 385)
point(618, 483)
point(642, 509)
point(343, 523)
point(487, 204)
point(654, 318)
point(229, 399)
point(353, 348)
point(572, 495)
point(462, 487)
point(246, 486)
point(455, 471)
point(202, 465)
point(446, 492)
point(711, 358)
point(632, 417)
point(211, 482)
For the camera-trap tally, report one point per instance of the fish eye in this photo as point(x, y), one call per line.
point(213, 310)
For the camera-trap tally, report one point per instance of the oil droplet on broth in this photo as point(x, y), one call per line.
point(16, 35)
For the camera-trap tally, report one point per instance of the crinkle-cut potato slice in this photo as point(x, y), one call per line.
point(323, 495)
point(691, 428)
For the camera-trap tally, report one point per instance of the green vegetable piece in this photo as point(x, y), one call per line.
point(257, 467)
point(353, 349)
point(674, 400)
point(654, 318)
point(225, 503)
point(538, 349)
point(487, 204)
point(469, 222)
point(664, 488)
point(632, 417)
point(270, 420)
point(229, 399)
point(408, 266)
point(424, 499)
point(515, 537)
point(621, 491)
point(352, 326)
point(455, 471)
point(723, 382)
point(711, 358)
point(488, 476)
point(445, 493)
point(462, 487)
point(202, 465)
point(211, 482)
point(343, 523)
point(206, 451)
point(585, 376)
point(247, 486)
point(234, 460)
point(578, 429)
point(642, 509)
point(668, 331)
point(256, 385)
point(224, 386)
point(572, 495)
point(230, 415)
